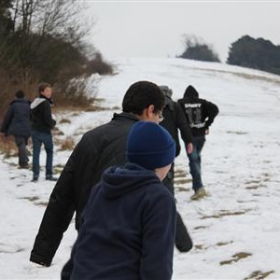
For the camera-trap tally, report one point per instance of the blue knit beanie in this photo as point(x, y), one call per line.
point(150, 145)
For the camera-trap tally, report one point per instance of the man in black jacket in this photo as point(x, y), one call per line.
point(200, 114)
point(174, 120)
point(98, 149)
point(42, 123)
point(17, 123)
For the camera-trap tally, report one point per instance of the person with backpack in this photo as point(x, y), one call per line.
point(200, 114)
point(17, 123)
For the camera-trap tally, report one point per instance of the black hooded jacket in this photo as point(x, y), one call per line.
point(41, 115)
point(128, 228)
point(174, 120)
point(200, 113)
point(98, 149)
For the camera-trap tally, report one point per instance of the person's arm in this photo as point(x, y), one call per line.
point(56, 219)
point(183, 126)
point(60, 209)
point(211, 112)
point(158, 235)
point(7, 120)
point(48, 119)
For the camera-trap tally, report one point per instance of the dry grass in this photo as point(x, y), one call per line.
point(68, 144)
point(8, 146)
point(236, 257)
point(259, 275)
point(225, 213)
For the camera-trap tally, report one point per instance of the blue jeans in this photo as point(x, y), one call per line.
point(21, 143)
point(195, 162)
point(39, 138)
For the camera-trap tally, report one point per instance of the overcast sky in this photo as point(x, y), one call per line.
point(156, 28)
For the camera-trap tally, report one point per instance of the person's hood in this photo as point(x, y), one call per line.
point(191, 92)
point(169, 103)
point(119, 180)
point(36, 102)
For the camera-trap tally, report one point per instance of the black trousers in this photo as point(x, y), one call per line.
point(183, 241)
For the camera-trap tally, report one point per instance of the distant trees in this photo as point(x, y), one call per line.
point(255, 53)
point(44, 41)
point(196, 49)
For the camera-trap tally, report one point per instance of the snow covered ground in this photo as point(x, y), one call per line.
point(236, 230)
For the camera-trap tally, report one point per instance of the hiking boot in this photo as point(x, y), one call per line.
point(200, 193)
point(51, 178)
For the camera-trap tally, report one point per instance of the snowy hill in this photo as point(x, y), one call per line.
point(235, 230)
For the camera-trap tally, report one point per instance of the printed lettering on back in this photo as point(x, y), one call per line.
point(194, 115)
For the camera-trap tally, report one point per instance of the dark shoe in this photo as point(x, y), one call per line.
point(51, 178)
point(24, 166)
point(35, 179)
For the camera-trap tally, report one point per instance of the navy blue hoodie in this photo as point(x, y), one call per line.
point(127, 228)
point(16, 121)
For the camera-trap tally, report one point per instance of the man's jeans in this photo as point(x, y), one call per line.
point(195, 162)
point(21, 143)
point(39, 138)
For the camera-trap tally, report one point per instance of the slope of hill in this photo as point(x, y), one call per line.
point(235, 230)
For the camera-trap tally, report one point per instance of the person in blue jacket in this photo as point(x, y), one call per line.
point(17, 123)
point(128, 225)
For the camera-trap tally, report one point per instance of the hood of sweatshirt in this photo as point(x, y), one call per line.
point(191, 92)
point(38, 100)
point(119, 180)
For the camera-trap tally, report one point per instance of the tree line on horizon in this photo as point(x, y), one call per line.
point(260, 54)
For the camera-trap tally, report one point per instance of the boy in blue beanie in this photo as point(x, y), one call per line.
point(128, 225)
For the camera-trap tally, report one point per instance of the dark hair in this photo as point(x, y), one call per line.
point(140, 96)
point(19, 94)
point(42, 87)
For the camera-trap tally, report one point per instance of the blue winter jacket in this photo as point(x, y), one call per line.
point(127, 228)
point(17, 119)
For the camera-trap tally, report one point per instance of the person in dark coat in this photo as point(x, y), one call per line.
point(128, 225)
point(98, 149)
point(17, 123)
point(42, 123)
point(200, 114)
point(174, 121)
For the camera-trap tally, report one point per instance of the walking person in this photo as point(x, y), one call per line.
point(200, 114)
point(17, 123)
point(42, 123)
point(128, 224)
point(98, 149)
point(174, 121)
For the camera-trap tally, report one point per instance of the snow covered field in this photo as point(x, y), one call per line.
point(236, 230)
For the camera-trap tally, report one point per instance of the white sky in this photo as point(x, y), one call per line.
point(156, 28)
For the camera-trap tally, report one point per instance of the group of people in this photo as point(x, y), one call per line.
point(119, 181)
point(24, 119)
